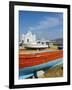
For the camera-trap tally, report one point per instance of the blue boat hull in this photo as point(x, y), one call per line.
point(28, 71)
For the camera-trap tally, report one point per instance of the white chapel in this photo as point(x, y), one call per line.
point(28, 38)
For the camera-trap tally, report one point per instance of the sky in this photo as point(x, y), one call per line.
point(46, 25)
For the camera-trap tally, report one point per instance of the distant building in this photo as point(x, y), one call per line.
point(58, 41)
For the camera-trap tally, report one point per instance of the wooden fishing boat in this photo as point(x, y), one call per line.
point(29, 60)
point(27, 72)
point(36, 46)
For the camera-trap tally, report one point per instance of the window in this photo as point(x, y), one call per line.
point(27, 40)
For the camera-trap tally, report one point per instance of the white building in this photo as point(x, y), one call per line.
point(28, 38)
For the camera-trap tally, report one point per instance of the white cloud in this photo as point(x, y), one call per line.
point(47, 22)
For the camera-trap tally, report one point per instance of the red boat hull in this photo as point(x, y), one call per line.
point(27, 60)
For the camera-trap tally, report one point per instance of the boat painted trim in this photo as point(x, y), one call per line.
point(30, 70)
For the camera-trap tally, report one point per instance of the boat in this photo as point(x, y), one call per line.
point(36, 46)
point(28, 60)
point(30, 63)
point(27, 72)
